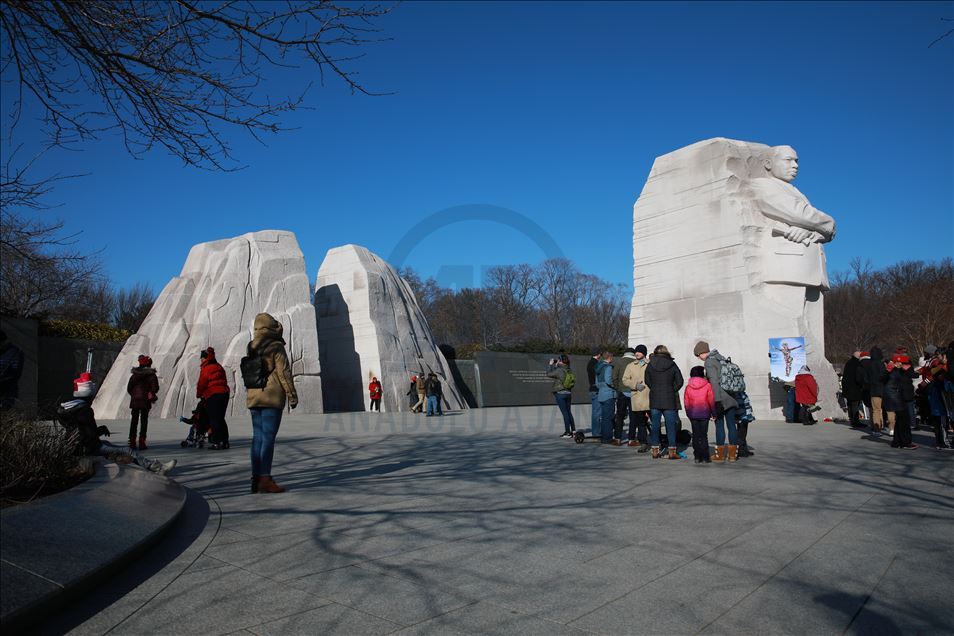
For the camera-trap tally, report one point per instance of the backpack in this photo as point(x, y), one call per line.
point(254, 371)
point(569, 380)
point(731, 378)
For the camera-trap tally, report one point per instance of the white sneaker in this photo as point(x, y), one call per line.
point(166, 468)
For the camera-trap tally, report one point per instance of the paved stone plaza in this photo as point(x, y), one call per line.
point(486, 522)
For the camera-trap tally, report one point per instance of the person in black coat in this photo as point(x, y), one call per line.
point(853, 382)
point(664, 380)
point(876, 389)
point(897, 376)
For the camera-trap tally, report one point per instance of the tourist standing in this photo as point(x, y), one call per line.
point(143, 390)
point(853, 384)
point(699, 402)
point(421, 390)
point(213, 387)
point(594, 393)
point(606, 396)
point(635, 379)
point(434, 393)
point(664, 380)
point(876, 389)
point(806, 394)
point(727, 407)
point(936, 389)
point(412, 394)
point(374, 391)
point(267, 404)
point(11, 368)
point(897, 377)
point(558, 369)
point(623, 395)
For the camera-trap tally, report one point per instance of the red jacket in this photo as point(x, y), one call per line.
point(806, 389)
point(375, 390)
point(211, 380)
point(699, 399)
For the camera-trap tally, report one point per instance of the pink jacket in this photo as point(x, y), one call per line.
point(698, 399)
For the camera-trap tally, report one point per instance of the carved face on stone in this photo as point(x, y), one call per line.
point(783, 163)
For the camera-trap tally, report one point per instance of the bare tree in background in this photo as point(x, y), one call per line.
point(132, 305)
point(176, 74)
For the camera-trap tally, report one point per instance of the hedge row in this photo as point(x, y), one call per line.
point(83, 330)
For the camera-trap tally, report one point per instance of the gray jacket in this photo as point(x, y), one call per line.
point(713, 366)
point(619, 368)
point(558, 373)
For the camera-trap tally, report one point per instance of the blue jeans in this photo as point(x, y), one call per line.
point(563, 401)
point(265, 423)
point(655, 418)
point(433, 408)
point(607, 411)
point(595, 414)
point(727, 421)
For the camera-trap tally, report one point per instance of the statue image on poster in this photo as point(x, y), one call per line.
point(787, 356)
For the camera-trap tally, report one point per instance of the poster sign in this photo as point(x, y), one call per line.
point(787, 355)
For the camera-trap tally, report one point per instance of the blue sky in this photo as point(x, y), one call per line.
point(556, 111)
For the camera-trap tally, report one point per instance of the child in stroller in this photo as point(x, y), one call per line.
point(199, 428)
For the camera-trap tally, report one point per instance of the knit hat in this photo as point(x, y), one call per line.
point(595, 351)
point(697, 372)
point(207, 353)
point(701, 347)
point(930, 350)
point(630, 350)
point(900, 359)
point(641, 349)
point(145, 361)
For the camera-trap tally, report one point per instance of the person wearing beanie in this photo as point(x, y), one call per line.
point(806, 394)
point(699, 402)
point(634, 379)
point(664, 380)
point(412, 394)
point(143, 390)
point(897, 376)
point(213, 387)
point(876, 390)
point(623, 395)
point(375, 392)
point(594, 391)
point(727, 406)
point(267, 404)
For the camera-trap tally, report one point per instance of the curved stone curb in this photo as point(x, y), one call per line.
point(56, 547)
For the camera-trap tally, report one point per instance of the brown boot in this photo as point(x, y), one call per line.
point(733, 452)
point(255, 484)
point(717, 456)
point(655, 451)
point(672, 453)
point(142, 442)
point(267, 484)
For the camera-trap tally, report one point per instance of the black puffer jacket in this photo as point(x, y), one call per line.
point(875, 370)
point(853, 381)
point(664, 380)
point(898, 388)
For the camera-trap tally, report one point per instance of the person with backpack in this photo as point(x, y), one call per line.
point(664, 380)
point(635, 380)
point(143, 389)
point(273, 387)
point(213, 387)
point(434, 392)
point(374, 390)
point(623, 396)
point(699, 401)
point(563, 383)
point(726, 379)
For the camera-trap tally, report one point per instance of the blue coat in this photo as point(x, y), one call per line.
point(604, 381)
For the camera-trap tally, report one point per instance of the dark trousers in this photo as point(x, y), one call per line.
point(902, 429)
point(854, 408)
point(215, 408)
point(623, 411)
point(638, 424)
point(743, 438)
point(376, 404)
point(939, 422)
point(700, 438)
point(807, 417)
point(140, 420)
point(606, 419)
point(563, 402)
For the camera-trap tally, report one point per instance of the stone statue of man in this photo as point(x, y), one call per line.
point(794, 254)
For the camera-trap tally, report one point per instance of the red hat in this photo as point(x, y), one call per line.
point(900, 359)
point(145, 361)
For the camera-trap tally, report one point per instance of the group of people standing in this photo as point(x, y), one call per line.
point(645, 392)
point(429, 393)
point(267, 395)
point(898, 393)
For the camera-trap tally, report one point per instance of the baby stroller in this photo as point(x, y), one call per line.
point(199, 429)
